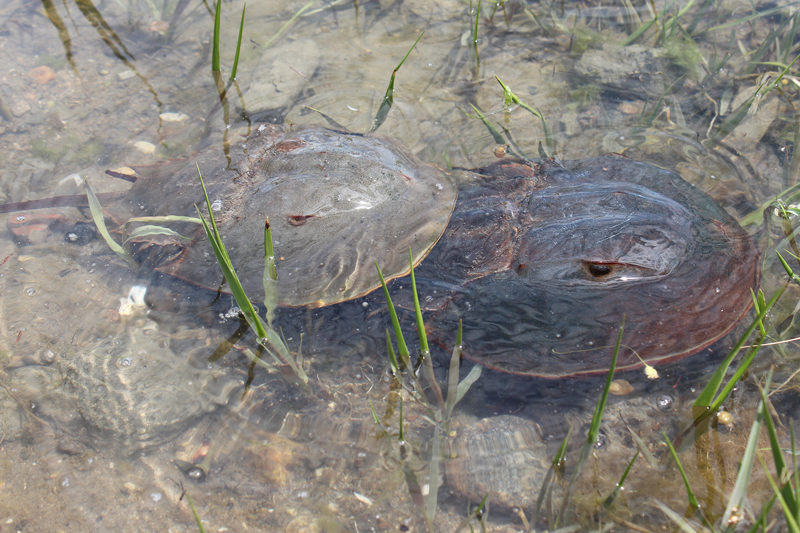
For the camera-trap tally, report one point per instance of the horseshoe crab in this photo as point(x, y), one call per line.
point(337, 202)
point(542, 260)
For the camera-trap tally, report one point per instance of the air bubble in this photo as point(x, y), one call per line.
point(664, 402)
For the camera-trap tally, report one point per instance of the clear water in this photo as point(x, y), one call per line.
point(88, 87)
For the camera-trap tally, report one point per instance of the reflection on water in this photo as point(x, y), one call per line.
point(107, 418)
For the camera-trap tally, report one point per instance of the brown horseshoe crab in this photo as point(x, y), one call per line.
point(543, 259)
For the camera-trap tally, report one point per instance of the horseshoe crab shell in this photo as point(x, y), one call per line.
point(337, 202)
point(543, 260)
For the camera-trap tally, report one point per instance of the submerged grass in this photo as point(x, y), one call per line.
point(268, 338)
point(388, 97)
point(439, 408)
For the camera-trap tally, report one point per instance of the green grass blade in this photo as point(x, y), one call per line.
point(196, 516)
point(99, 221)
point(677, 519)
point(238, 45)
point(791, 521)
point(475, 26)
point(391, 352)
point(597, 418)
point(737, 498)
point(785, 495)
point(639, 31)
point(794, 277)
point(270, 276)
point(164, 219)
point(749, 18)
point(496, 135)
point(509, 96)
point(707, 396)
point(153, 231)
point(289, 23)
point(689, 492)
point(609, 501)
point(401, 434)
point(594, 428)
point(457, 389)
point(423, 337)
point(268, 338)
point(388, 97)
point(215, 42)
point(402, 348)
point(556, 464)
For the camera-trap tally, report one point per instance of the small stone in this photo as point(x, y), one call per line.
point(159, 26)
point(19, 108)
point(173, 117)
point(145, 147)
point(631, 108)
point(125, 171)
point(42, 74)
point(620, 387)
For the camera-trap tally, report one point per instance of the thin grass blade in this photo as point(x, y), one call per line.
point(195, 514)
point(402, 348)
point(739, 493)
point(496, 135)
point(238, 45)
point(99, 221)
point(594, 428)
point(707, 396)
point(791, 521)
point(689, 492)
point(677, 519)
point(391, 352)
point(509, 96)
point(289, 23)
point(457, 389)
point(609, 501)
point(270, 276)
point(423, 337)
point(215, 42)
point(164, 219)
point(388, 97)
point(154, 231)
point(785, 495)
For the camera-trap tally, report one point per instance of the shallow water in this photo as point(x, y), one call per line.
point(110, 84)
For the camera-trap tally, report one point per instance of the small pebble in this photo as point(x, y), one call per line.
point(620, 387)
point(42, 74)
point(145, 147)
point(159, 26)
point(173, 117)
point(125, 171)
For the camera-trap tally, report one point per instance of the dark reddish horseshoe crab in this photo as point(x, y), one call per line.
point(540, 259)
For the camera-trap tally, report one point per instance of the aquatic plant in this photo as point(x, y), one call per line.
point(268, 338)
point(405, 378)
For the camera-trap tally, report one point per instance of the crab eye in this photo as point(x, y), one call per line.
point(598, 270)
